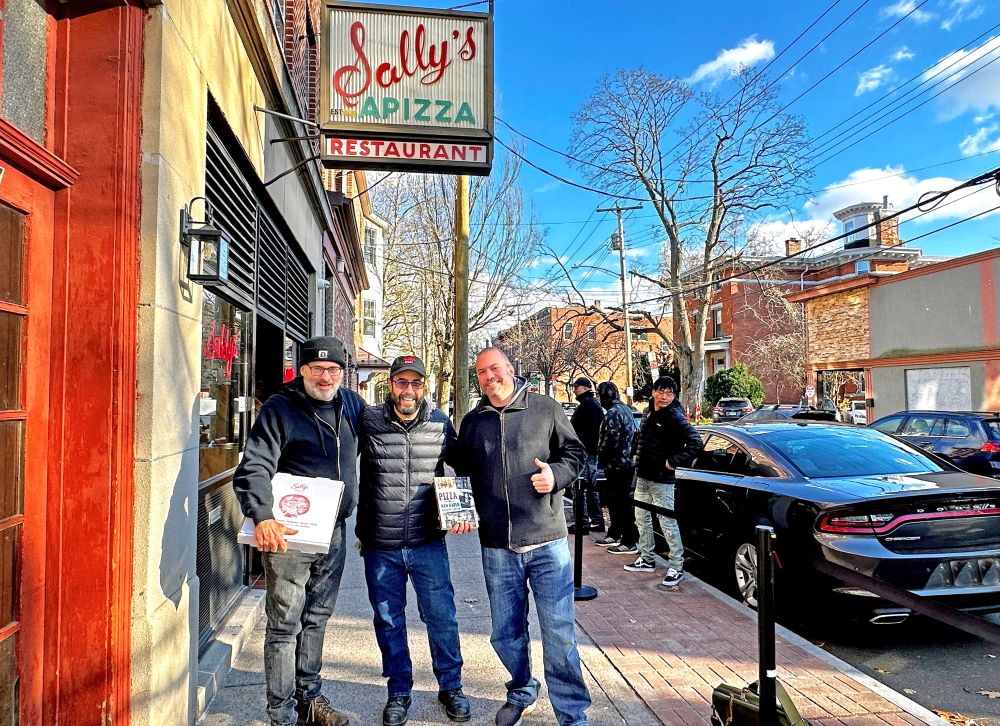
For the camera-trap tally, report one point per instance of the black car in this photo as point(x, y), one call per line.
point(969, 439)
point(731, 409)
point(784, 411)
point(849, 495)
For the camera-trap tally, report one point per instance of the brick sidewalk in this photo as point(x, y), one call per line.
point(673, 647)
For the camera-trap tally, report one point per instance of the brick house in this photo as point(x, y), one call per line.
point(748, 322)
point(556, 345)
point(927, 338)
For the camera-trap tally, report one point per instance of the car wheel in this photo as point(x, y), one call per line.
point(745, 571)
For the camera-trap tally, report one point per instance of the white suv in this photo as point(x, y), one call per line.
point(857, 413)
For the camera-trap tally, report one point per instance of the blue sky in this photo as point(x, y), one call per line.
point(551, 53)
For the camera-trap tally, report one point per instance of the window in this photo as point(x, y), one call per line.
point(370, 246)
point(717, 323)
point(591, 332)
point(957, 429)
point(568, 331)
point(368, 318)
point(222, 404)
point(723, 456)
point(859, 223)
point(922, 426)
point(278, 18)
point(862, 267)
point(889, 425)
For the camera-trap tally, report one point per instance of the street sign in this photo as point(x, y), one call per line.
point(406, 89)
point(810, 391)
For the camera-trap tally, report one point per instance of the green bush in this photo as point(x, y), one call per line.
point(735, 382)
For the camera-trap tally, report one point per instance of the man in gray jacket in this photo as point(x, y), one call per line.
point(404, 445)
point(309, 428)
point(520, 453)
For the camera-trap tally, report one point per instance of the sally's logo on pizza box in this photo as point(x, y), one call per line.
point(293, 505)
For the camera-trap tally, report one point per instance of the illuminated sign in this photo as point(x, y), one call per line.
point(408, 89)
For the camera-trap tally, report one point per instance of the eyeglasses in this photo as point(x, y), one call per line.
point(318, 371)
point(402, 383)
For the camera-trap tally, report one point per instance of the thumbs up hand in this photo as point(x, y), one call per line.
point(544, 482)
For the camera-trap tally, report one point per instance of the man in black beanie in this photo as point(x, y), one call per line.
point(309, 428)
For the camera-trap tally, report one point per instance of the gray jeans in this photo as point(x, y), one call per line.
point(301, 593)
point(660, 494)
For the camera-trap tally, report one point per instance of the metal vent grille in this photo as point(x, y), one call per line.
point(220, 558)
point(272, 269)
point(298, 299)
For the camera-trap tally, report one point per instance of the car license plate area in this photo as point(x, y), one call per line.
point(979, 572)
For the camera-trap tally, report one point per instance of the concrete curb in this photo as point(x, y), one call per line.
point(215, 664)
point(894, 697)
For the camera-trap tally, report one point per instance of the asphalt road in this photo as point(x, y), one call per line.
point(940, 668)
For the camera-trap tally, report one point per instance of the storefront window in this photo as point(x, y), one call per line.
point(224, 400)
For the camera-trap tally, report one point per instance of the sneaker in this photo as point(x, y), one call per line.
point(640, 565)
point(606, 542)
point(396, 711)
point(511, 714)
point(572, 529)
point(672, 577)
point(319, 712)
point(456, 704)
point(624, 549)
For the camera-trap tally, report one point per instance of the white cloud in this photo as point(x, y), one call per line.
point(729, 62)
point(969, 89)
point(638, 252)
point(554, 184)
point(903, 190)
point(768, 238)
point(900, 8)
point(873, 78)
point(986, 138)
point(962, 10)
point(903, 54)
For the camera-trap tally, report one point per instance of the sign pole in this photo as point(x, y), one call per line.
point(460, 375)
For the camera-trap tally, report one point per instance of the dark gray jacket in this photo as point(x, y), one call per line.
point(498, 448)
point(296, 434)
point(397, 508)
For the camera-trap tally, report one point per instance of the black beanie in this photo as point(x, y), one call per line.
point(323, 348)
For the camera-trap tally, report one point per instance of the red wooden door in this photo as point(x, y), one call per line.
point(26, 219)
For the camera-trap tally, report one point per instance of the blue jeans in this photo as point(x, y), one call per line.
point(301, 593)
point(548, 571)
point(660, 494)
point(428, 569)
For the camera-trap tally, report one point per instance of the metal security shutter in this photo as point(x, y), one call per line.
point(271, 300)
point(235, 214)
point(298, 298)
point(219, 559)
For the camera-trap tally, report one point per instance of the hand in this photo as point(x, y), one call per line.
point(544, 482)
point(461, 528)
point(270, 536)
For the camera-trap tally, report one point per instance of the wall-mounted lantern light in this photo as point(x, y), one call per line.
point(208, 261)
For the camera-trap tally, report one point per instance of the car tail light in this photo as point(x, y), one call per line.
point(991, 447)
point(717, 409)
point(747, 409)
point(853, 524)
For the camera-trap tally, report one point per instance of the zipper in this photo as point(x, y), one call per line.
point(409, 496)
point(503, 472)
point(336, 437)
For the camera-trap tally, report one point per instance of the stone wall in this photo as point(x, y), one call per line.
point(838, 326)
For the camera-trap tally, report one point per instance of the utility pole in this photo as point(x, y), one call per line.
point(618, 242)
point(460, 368)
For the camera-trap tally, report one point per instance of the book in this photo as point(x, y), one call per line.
point(455, 502)
point(304, 503)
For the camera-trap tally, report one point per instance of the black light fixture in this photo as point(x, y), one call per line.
point(208, 261)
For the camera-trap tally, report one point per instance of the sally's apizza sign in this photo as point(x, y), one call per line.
point(408, 89)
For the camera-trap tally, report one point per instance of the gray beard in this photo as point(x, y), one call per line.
point(313, 391)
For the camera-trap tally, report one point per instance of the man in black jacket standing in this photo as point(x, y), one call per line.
point(586, 423)
point(404, 446)
point(520, 452)
point(309, 428)
point(666, 441)
point(614, 454)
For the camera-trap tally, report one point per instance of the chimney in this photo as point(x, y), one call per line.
point(888, 229)
point(792, 246)
point(597, 304)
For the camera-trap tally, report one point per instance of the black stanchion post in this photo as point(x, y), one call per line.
point(580, 591)
point(767, 670)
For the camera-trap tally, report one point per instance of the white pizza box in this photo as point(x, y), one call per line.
point(304, 503)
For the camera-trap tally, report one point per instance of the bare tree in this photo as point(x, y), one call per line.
point(709, 165)
point(418, 289)
point(537, 345)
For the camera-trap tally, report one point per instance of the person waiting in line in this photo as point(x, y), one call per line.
point(309, 428)
point(666, 440)
point(586, 423)
point(520, 453)
point(614, 455)
point(404, 444)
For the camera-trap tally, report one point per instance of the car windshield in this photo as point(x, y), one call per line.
point(994, 428)
point(819, 451)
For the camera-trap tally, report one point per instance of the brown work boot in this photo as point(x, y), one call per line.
point(319, 712)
